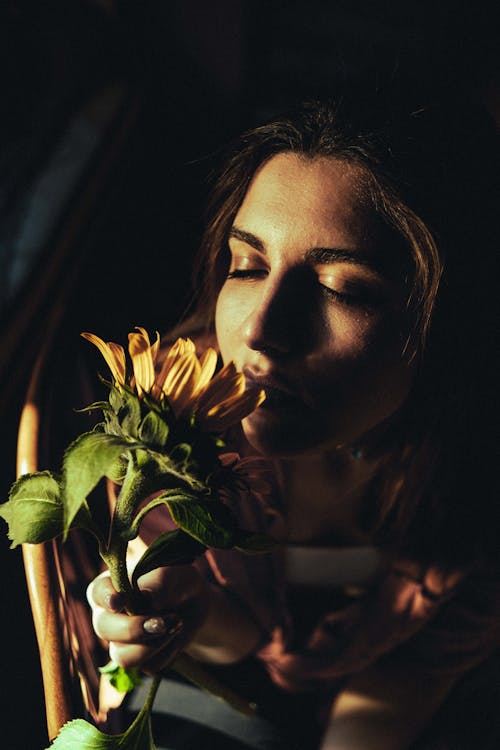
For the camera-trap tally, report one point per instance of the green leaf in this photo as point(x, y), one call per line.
point(171, 548)
point(209, 521)
point(81, 734)
point(84, 736)
point(86, 461)
point(153, 430)
point(124, 680)
point(34, 510)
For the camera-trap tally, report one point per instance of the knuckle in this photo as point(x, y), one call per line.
point(97, 622)
point(127, 656)
point(119, 655)
point(90, 593)
point(98, 588)
point(169, 588)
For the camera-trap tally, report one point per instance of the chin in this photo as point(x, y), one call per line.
point(276, 438)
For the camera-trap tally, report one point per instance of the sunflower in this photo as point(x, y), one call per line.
point(190, 384)
point(113, 354)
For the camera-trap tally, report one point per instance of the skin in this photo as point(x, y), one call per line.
point(326, 327)
point(313, 310)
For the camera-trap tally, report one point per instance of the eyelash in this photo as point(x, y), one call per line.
point(345, 299)
point(246, 273)
point(349, 300)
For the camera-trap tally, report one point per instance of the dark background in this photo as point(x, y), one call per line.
point(112, 114)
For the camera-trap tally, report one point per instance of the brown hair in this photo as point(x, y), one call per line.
point(432, 177)
point(317, 129)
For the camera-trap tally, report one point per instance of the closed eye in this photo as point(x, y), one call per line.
point(354, 293)
point(363, 301)
point(247, 273)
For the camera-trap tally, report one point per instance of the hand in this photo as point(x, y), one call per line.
point(178, 600)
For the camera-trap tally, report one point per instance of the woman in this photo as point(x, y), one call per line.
point(345, 267)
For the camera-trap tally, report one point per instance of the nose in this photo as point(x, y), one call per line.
point(280, 322)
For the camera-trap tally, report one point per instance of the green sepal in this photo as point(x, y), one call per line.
point(171, 548)
point(127, 407)
point(208, 521)
point(86, 461)
point(118, 470)
point(115, 397)
point(34, 510)
point(173, 474)
point(101, 405)
point(153, 430)
point(124, 680)
point(181, 454)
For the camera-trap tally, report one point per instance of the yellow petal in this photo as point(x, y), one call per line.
point(173, 354)
point(186, 346)
point(112, 353)
point(180, 383)
point(189, 346)
point(227, 383)
point(139, 348)
point(118, 354)
point(208, 363)
point(155, 347)
point(180, 348)
point(231, 411)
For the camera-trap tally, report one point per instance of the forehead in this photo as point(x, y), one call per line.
point(314, 197)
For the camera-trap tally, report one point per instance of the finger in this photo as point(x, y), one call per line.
point(128, 655)
point(171, 587)
point(101, 593)
point(124, 628)
point(151, 657)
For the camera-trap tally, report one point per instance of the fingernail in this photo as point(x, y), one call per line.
point(170, 625)
point(154, 626)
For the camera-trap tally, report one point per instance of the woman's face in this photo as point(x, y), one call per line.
point(312, 309)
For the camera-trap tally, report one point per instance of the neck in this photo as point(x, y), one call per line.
point(324, 496)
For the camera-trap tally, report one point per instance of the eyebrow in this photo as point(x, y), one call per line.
point(314, 254)
point(248, 238)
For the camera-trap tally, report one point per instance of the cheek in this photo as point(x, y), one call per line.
point(228, 321)
point(366, 336)
point(361, 363)
point(350, 339)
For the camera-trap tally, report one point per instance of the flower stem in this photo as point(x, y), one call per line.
point(133, 490)
point(141, 726)
point(148, 705)
point(115, 554)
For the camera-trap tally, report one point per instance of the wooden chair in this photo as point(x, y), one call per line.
point(57, 574)
point(70, 686)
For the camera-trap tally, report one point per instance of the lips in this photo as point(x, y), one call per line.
point(278, 392)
